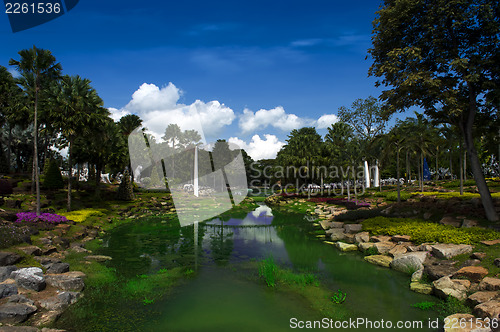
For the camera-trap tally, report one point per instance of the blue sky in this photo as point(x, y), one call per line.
point(296, 61)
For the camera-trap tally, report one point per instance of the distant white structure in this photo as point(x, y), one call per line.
point(376, 175)
point(367, 175)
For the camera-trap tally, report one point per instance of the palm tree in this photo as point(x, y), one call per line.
point(395, 140)
point(38, 68)
point(77, 109)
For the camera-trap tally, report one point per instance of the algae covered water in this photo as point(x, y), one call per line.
point(166, 278)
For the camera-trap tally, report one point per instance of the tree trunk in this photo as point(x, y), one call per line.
point(477, 171)
point(398, 176)
point(451, 169)
point(461, 172)
point(422, 172)
point(35, 152)
point(407, 168)
point(437, 160)
point(9, 149)
point(419, 173)
point(465, 165)
point(70, 174)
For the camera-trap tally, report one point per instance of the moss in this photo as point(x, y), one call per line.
point(82, 215)
point(423, 231)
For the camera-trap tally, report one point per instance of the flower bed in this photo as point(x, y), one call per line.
point(32, 217)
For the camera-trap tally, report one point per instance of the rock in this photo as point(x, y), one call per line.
point(398, 250)
point(467, 223)
point(384, 247)
point(346, 246)
point(79, 250)
point(60, 301)
point(353, 228)
point(470, 262)
point(7, 290)
point(30, 278)
point(9, 258)
point(65, 281)
point(436, 269)
point(465, 323)
point(427, 215)
point(18, 298)
point(47, 250)
point(417, 275)
point(497, 262)
point(491, 242)
point(419, 287)
point(451, 221)
point(381, 260)
point(450, 250)
point(56, 268)
point(325, 224)
point(336, 224)
point(381, 238)
point(482, 296)
point(401, 238)
point(18, 329)
point(46, 261)
point(337, 234)
point(364, 246)
point(409, 262)
point(489, 284)
point(13, 313)
point(31, 250)
point(478, 255)
point(5, 272)
point(362, 237)
point(490, 309)
point(445, 287)
point(473, 273)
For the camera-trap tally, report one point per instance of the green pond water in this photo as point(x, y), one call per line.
point(216, 285)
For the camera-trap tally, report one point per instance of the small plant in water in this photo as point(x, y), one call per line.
point(162, 271)
point(189, 272)
point(426, 305)
point(268, 270)
point(339, 297)
point(147, 301)
point(143, 276)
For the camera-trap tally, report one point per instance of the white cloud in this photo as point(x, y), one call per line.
point(276, 117)
point(117, 114)
point(260, 148)
point(159, 107)
point(326, 121)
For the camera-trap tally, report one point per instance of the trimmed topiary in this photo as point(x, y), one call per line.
point(53, 177)
point(125, 190)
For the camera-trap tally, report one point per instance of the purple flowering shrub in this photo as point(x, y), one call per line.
point(44, 221)
point(11, 235)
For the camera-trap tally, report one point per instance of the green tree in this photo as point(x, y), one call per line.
point(38, 69)
point(77, 109)
point(53, 178)
point(442, 56)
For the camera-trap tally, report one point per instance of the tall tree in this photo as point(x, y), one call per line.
point(77, 108)
point(38, 69)
point(441, 55)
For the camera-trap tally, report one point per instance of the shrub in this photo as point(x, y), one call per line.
point(53, 177)
point(31, 217)
point(5, 187)
point(11, 235)
point(424, 231)
point(81, 215)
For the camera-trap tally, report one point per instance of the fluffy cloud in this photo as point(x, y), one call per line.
point(276, 117)
point(159, 107)
point(259, 148)
point(326, 121)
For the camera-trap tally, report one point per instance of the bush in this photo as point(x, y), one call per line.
point(5, 187)
point(11, 235)
point(53, 177)
point(424, 231)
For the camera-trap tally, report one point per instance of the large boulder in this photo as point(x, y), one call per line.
point(436, 268)
point(450, 250)
point(381, 260)
point(399, 249)
point(490, 309)
point(29, 278)
point(9, 258)
point(445, 287)
point(381, 238)
point(31, 250)
point(68, 281)
point(409, 262)
point(60, 301)
point(58, 268)
point(472, 273)
point(421, 288)
point(482, 296)
point(353, 228)
point(465, 323)
point(362, 237)
point(489, 284)
point(364, 246)
point(14, 313)
point(384, 247)
point(7, 290)
point(337, 234)
point(5, 272)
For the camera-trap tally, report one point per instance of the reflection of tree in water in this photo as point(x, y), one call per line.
point(186, 245)
point(297, 241)
point(221, 243)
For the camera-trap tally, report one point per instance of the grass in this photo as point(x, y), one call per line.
point(452, 306)
point(393, 195)
point(454, 194)
point(82, 215)
point(424, 231)
point(426, 305)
